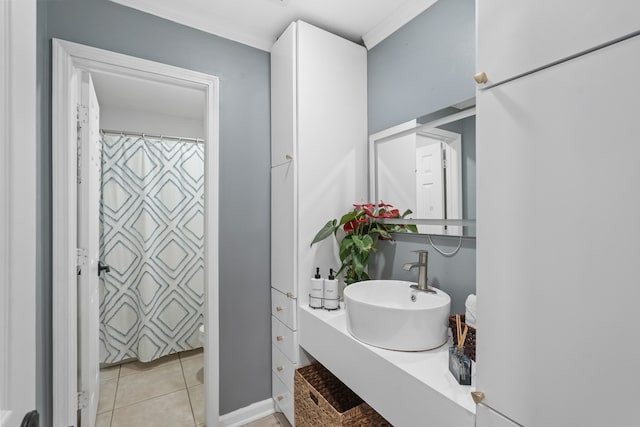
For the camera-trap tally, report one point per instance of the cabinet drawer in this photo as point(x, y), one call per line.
point(283, 308)
point(284, 339)
point(282, 367)
point(283, 397)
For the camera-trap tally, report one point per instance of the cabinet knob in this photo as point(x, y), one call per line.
point(278, 308)
point(481, 77)
point(288, 157)
point(280, 397)
point(289, 294)
point(279, 338)
point(279, 368)
point(477, 396)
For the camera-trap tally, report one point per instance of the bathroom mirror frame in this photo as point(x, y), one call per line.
point(411, 128)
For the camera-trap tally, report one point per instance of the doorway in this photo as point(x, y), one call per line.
point(72, 63)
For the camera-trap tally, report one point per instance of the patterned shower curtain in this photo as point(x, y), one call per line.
point(152, 237)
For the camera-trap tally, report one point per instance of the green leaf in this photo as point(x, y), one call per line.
point(345, 248)
point(407, 212)
point(348, 217)
point(412, 228)
point(325, 231)
point(364, 243)
point(382, 232)
point(359, 260)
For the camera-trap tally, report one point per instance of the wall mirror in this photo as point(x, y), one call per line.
point(428, 165)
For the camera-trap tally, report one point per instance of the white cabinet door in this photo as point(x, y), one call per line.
point(332, 144)
point(557, 260)
point(514, 37)
point(486, 417)
point(18, 245)
point(283, 229)
point(283, 97)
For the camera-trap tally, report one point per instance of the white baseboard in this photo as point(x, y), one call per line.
point(250, 413)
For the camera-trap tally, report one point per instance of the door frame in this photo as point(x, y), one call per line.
point(18, 223)
point(67, 58)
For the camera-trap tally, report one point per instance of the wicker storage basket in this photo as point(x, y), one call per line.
point(469, 341)
point(321, 399)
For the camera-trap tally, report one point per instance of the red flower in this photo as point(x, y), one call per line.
point(365, 206)
point(353, 224)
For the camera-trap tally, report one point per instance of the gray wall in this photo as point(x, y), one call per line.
point(425, 66)
point(245, 350)
point(467, 128)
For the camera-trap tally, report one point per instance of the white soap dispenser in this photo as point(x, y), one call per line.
point(331, 297)
point(317, 290)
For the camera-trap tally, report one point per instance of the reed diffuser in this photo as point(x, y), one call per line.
point(459, 363)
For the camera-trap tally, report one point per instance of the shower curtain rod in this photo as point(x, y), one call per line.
point(124, 132)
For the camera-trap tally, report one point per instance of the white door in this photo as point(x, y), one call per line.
point(17, 210)
point(515, 37)
point(283, 228)
point(283, 97)
point(89, 162)
point(557, 243)
point(429, 186)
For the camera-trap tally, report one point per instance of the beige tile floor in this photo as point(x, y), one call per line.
point(168, 392)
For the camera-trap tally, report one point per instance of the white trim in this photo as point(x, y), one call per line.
point(17, 210)
point(64, 239)
point(395, 21)
point(250, 413)
point(67, 59)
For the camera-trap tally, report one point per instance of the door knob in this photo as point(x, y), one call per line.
point(481, 77)
point(278, 308)
point(103, 267)
point(477, 396)
point(279, 368)
point(280, 398)
point(279, 338)
point(289, 294)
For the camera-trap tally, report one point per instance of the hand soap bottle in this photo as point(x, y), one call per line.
point(317, 290)
point(331, 298)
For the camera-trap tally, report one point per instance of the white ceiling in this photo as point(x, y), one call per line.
point(148, 96)
point(370, 21)
point(258, 23)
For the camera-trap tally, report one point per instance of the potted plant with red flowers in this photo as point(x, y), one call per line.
point(362, 229)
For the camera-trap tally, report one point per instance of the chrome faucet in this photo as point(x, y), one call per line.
point(422, 272)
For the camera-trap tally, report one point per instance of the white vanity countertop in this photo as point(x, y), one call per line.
point(430, 368)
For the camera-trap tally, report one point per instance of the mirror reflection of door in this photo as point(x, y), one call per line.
point(430, 192)
point(420, 167)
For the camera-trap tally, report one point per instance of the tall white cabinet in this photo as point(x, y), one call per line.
point(557, 207)
point(318, 170)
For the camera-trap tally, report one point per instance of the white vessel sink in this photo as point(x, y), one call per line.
point(383, 313)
